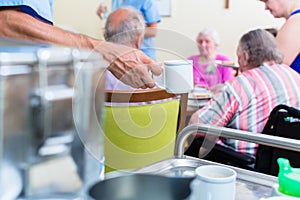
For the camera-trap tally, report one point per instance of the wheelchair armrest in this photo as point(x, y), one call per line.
point(227, 155)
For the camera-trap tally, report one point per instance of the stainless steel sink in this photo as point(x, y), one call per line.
point(250, 185)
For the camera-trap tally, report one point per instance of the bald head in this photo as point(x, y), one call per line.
point(126, 26)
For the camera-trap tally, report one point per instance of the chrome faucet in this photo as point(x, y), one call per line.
point(269, 140)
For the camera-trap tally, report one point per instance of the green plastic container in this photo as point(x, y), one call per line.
point(288, 178)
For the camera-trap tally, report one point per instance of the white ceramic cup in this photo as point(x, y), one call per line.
point(177, 76)
point(213, 182)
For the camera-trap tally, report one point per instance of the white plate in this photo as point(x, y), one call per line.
point(227, 64)
point(199, 96)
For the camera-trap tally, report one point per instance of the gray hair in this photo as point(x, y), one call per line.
point(212, 33)
point(126, 30)
point(261, 46)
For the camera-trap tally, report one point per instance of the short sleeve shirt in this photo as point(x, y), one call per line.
point(40, 9)
point(151, 14)
point(247, 101)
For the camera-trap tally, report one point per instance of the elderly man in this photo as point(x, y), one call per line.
point(247, 100)
point(124, 26)
point(150, 12)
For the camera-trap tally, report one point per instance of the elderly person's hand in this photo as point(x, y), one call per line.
point(217, 89)
point(209, 140)
point(130, 65)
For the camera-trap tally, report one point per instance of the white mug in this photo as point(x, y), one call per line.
point(213, 182)
point(177, 76)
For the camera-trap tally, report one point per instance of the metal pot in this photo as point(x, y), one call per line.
point(142, 186)
point(51, 99)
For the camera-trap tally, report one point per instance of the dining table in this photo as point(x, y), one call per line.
point(196, 100)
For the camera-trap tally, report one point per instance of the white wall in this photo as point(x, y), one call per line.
point(179, 31)
point(79, 15)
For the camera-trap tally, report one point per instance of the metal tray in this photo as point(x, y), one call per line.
point(250, 185)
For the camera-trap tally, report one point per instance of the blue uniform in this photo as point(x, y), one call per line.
point(40, 9)
point(296, 63)
point(150, 12)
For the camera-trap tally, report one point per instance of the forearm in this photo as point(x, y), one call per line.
point(127, 64)
point(19, 25)
point(151, 30)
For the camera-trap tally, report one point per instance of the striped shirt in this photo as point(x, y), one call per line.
point(247, 100)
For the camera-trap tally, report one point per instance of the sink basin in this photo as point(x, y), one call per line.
point(142, 186)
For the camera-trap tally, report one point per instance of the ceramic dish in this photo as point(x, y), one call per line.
point(199, 96)
point(227, 64)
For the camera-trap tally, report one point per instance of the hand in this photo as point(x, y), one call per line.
point(208, 143)
point(130, 65)
point(199, 82)
point(102, 9)
point(202, 152)
point(217, 89)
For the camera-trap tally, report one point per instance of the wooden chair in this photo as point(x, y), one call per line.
point(140, 126)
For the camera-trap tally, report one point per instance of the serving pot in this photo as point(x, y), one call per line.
point(142, 186)
point(51, 99)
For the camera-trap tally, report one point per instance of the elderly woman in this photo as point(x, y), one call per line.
point(206, 72)
point(247, 100)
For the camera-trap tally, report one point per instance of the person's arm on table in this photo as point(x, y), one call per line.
point(129, 64)
point(215, 113)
